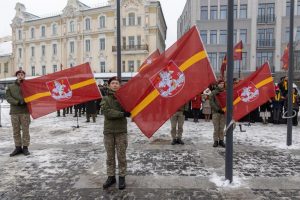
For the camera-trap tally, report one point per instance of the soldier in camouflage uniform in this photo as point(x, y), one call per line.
point(115, 135)
point(218, 116)
point(20, 117)
point(177, 120)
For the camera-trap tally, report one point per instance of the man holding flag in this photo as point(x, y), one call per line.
point(20, 117)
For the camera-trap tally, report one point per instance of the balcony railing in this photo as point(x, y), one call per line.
point(269, 43)
point(266, 19)
point(131, 48)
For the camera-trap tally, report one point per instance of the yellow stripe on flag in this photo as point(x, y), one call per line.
point(238, 50)
point(82, 84)
point(258, 85)
point(155, 93)
point(46, 94)
point(37, 96)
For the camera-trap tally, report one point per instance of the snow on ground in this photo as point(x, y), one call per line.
point(256, 134)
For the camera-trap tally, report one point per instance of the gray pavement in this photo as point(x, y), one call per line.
point(67, 163)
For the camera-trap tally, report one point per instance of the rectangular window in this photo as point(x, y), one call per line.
point(298, 8)
point(124, 42)
point(32, 51)
point(102, 44)
point(243, 11)
point(32, 33)
point(298, 34)
point(203, 35)
point(139, 19)
point(288, 8)
point(131, 66)
point(138, 63)
point(139, 40)
point(43, 70)
point(43, 50)
point(235, 13)
point(123, 66)
point(20, 53)
point(204, 13)
point(235, 36)
point(124, 21)
point(54, 49)
point(213, 37)
point(32, 70)
point(213, 60)
point(87, 45)
point(223, 12)
point(243, 35)
point(131, 19)
point(223, 37)
point(131, 41)
point(43, 31)
point(213, 12)
point(262, 57)
point(5, 67)
point(54, 68)
point(287, 34)
point(72, 47)
point(54, 29)
point(19, 34)
point(102, 67)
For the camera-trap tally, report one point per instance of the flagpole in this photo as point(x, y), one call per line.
point(229, 97)
point(119, 40)
point(290, 77)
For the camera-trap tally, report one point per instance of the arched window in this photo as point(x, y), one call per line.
point(131, 19)
point(102, 22)
point(87, 24)
point(72, 26)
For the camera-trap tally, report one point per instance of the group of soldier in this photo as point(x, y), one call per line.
point(115, 122)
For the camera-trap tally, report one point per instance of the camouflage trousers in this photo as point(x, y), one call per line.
point(116, 142)
point(177, 119)
point(219, 124)
point(21, 122)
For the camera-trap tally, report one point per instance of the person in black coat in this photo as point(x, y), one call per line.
point(91, 110)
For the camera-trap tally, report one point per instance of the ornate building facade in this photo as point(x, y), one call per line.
point(79, 34)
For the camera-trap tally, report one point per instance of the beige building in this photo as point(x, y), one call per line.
point(262, 25)
point(5, 57)
point(79, 34)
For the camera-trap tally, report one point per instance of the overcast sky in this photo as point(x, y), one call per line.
point(171, 9)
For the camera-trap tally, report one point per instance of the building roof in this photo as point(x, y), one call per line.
point(6, 48)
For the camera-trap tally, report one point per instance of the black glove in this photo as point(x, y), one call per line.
point(127, 114)
point(21, 103)
point(221, 111)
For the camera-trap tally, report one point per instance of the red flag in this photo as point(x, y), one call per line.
point(158, 91)
point(59, 90)
point(250, 93)
point(237, 55)
point(149, 60)
point(285, 58)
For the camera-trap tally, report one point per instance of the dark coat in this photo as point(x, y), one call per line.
point(91, 107)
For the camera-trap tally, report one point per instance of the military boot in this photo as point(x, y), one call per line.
point(221, 143)
point(174, 141)
point(25, 151)
point(18, 150)
point(122, 184)
point(109, 182)
point(179, 141)
point(216, 143)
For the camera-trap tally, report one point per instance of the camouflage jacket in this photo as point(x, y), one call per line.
point(215, 106)
point(114, 120)
point(14, 96)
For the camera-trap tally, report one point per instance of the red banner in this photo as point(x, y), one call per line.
point(176, 76)
point(285, 58)
point(149, 60)
point(250, 93)
point(59, 90)
point(237, 55)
